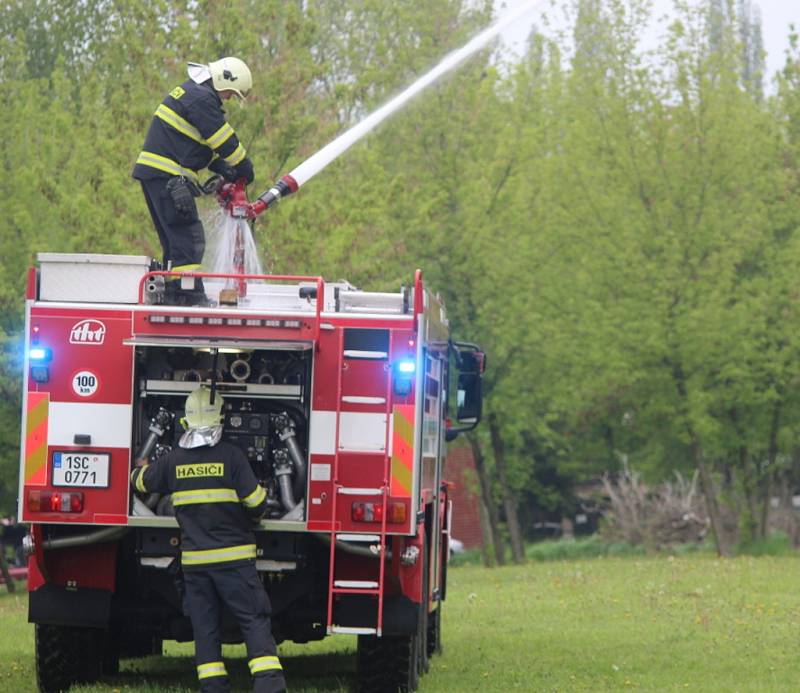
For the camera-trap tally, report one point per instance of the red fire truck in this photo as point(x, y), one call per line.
point(338, 397)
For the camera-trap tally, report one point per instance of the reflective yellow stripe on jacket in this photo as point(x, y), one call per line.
point(220, 136)
point(180, 124)
point(255, 498)
point(208, 556)
point(183, 126)
point(162, 163)
point(205, 495)
point(206, 671)
point(264, 664)
point(237, 155)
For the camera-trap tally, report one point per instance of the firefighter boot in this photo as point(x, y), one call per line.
point(197, 296)
point(175, 295)
point(269, 683)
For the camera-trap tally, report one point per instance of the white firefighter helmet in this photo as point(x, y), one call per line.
point(200, 412)
point(231, 73)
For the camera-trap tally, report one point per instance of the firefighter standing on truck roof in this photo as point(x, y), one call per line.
point(188, 133)
point(217, 500)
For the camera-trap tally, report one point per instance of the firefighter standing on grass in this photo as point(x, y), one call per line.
point(189, 133)
point(217, 501)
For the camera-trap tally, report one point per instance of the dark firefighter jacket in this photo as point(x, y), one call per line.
point(188, 132)
point(216, 499)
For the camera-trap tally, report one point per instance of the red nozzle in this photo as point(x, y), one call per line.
point(233, 197)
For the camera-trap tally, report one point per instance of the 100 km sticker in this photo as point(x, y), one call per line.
point(84, 383)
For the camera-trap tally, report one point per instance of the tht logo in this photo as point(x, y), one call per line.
point(87, 332)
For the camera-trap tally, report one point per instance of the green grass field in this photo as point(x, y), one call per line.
point(692, 623)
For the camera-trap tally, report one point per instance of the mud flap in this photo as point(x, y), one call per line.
point(399, 613)
point(59, 606)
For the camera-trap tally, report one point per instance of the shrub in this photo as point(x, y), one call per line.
point(669, 514)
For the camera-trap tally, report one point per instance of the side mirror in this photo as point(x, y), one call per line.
point(470, 364)
point(468, 409)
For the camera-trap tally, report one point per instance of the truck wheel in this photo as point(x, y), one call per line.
point(395, 662)
point(139, 644)
point(109, 649)
point(390, 663)
point(65, 655)
point(435, 631)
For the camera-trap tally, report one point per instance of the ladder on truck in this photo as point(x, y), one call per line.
point(366, 588)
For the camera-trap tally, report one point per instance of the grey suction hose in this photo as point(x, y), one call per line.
point(283, 473)
point(287, 435)
point(300, 466)
point(97, 537)
point(287, 498)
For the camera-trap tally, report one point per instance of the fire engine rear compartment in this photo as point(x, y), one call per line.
point(267, 390)
point(266, 412)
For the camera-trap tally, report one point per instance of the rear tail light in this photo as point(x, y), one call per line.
point(55, 502)
point(373, 512)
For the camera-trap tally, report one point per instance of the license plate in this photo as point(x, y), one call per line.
point(80, 469)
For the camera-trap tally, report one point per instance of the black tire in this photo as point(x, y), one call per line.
point(435, 631)
point(109, 649)
point(395, 663)
point(136, 644)
point(66, 655)
point(389, 664)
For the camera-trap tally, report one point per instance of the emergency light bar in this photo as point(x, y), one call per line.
point(403, 372)
point(39, 357)
point(40, 354)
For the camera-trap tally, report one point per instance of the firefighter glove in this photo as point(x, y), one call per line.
point(244, 169)
point(228, 172)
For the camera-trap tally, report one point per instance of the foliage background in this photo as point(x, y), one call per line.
point(617, 227)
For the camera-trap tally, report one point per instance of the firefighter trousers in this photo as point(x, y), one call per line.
point(181, 236)
point(240, 590)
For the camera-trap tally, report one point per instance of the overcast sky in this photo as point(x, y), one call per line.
point(776, 16)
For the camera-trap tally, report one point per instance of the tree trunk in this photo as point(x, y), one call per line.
point(10, 586)
point(771, 473)
point(790, 525)
point(509, 500)
point(486, 536)
point(721, 541)
point(749, 524)
point(492, 516)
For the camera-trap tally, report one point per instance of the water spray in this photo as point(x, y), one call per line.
point(233, 196)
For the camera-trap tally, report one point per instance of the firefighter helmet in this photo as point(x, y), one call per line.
point(233, 74)
point(200, 412)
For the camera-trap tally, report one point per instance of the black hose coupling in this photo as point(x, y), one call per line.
point(283, 188)
point(161, 421)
